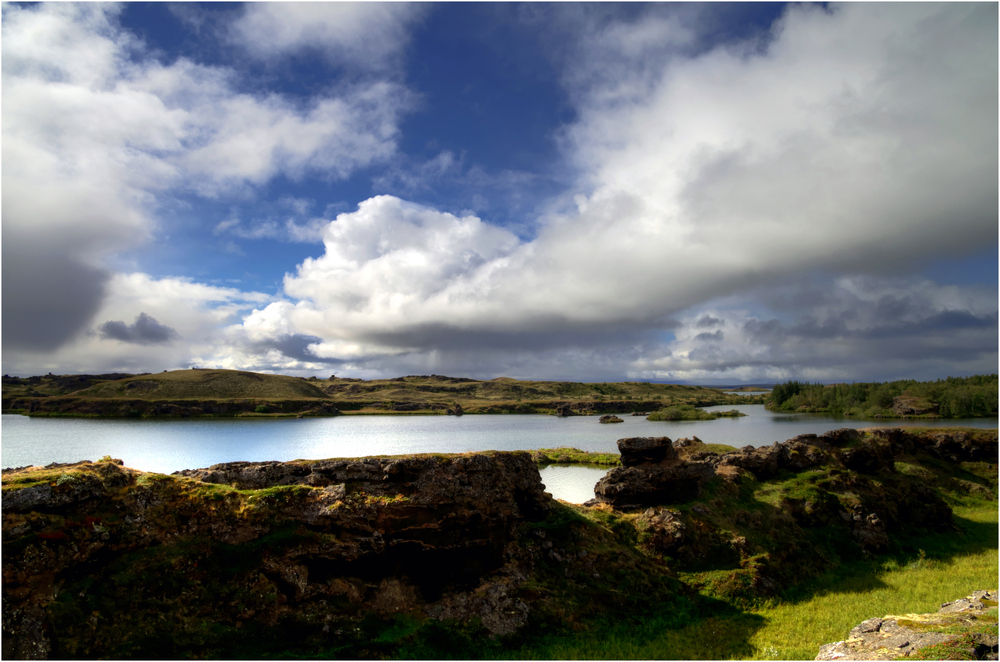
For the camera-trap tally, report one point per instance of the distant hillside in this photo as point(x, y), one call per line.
point(204, 385)
point(236, 393)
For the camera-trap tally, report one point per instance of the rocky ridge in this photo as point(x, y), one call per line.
point(331, 555)
point(327, 539)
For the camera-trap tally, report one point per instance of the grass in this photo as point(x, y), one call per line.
point(545, 456)
point(829, 607)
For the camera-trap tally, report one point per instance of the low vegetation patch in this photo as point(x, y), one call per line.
point(545, 456)
point(690, 413)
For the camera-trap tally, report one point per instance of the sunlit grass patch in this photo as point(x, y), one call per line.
point(796, 629)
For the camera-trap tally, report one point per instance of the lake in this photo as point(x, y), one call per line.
point(167, 445)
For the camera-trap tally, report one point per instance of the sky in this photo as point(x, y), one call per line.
point(687, 193)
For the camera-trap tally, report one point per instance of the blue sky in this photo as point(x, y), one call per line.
point(716, 193)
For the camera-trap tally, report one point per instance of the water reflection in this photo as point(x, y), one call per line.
point(571, 483)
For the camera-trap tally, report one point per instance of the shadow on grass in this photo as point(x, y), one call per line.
point(714, 630)
point(909, 551)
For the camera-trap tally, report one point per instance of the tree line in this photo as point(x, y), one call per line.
point(954, 397)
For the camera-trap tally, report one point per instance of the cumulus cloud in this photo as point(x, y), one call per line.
point(391, 260)
point(144, 331)
point(860, 138)
point(97, 133)
point(365, 35)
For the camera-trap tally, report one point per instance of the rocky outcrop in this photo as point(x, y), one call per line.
point(563, 410)
point(905, 405)
point(651, 474)
point(610, 418)
point(248, 545)
point(820, 498)
point(638, 451)
point(894, 637)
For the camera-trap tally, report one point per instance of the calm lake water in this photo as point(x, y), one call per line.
point(169, 445)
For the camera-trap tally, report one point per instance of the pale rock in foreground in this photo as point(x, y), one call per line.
point(892, 637)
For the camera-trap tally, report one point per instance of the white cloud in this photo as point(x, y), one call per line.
point(391, 260)
point(861, 138)
point(290, 222)
point(365, 35)
point(96, 134)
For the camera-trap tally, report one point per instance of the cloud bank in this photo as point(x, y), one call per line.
point(861, 139)
point(755, 210)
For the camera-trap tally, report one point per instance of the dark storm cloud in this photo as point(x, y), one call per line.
point(48, 297)
point(144, 331)
point(706, 336)
point(449, 338)
point(943, 336)
point(294, 346)
point(932, 325)
point(707, 321)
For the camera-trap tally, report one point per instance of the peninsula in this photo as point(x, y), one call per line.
point(182, 393)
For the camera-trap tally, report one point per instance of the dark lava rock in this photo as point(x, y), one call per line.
point(610, 418)
point(563, 410)
point(326, 539)
point(655, 484)
point(646, 450)
point(870, 456)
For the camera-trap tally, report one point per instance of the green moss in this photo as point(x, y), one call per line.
point(955, 623)
point(276, 495)
point(961, 647)
point(545, 456)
